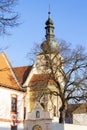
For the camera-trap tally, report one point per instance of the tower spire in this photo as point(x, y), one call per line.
point(49, 27)
point(49, 12)
point(49, 45)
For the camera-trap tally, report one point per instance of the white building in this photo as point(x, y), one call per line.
point(12, 103)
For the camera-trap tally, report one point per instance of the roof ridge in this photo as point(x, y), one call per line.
point(22, 66)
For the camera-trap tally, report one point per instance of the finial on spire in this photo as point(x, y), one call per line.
point(49, 12)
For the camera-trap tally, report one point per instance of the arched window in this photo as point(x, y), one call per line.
point(37, 114)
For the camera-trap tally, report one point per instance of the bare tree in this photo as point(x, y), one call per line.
point(68, 69)
point(8, 17)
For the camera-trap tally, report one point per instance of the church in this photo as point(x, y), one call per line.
point(26, 102)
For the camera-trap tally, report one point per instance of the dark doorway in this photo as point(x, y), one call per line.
point(13, 127)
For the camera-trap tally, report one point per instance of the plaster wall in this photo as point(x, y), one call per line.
point(56, 126)
point(5, 108)
point(7, 126)
point(80, 119)
point(43, 115)
point(45, 124)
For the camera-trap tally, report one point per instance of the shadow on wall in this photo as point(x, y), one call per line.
point(2, 128)
point(56, 126)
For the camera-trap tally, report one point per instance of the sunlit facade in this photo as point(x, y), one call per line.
point(12, 98)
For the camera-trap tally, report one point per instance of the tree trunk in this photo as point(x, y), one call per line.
point(62, 115)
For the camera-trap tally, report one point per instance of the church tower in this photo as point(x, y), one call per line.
point(49, 46)
point(39, 80)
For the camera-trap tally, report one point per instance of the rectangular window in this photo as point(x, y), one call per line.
point(14, 103)
point(13, 127)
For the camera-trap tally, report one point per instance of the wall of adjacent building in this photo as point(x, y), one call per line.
point(80, 119)
point(5, 108)
point(56, 126)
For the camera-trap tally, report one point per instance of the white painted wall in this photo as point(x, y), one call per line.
point(80, 119)
point(44, 120)
point(6, 126)
point(5, 108)
point(45, 124)
point(56, 126)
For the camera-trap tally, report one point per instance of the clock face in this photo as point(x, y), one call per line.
point(37, 127)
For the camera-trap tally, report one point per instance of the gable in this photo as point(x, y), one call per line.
point(7, 77)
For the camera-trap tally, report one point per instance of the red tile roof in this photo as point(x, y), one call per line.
point(14, 77)
point(40, 80)
point(7, 77)
point(81, 109)
point(22, 73)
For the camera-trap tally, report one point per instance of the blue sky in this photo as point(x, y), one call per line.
point(70, 21)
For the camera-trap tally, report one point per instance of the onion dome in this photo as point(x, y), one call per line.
point(49, 46)
point(49, 21)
